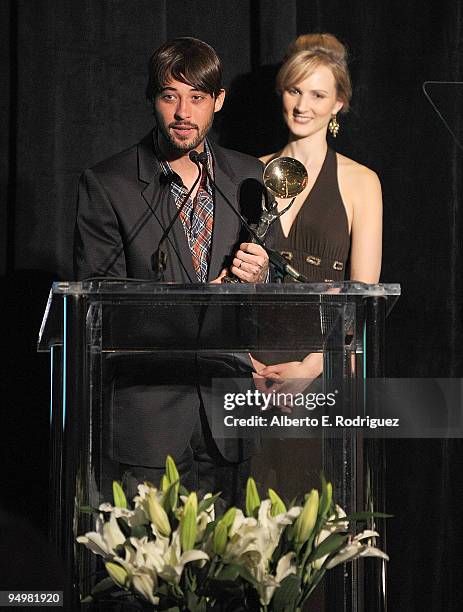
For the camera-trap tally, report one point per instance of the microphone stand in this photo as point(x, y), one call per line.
point(278, 261)
point(159, 257)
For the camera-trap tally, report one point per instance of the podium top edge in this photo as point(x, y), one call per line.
point(143, 287)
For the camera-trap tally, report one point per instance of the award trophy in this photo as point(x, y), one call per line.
point(285, 178)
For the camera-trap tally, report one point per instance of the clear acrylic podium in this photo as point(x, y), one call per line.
point(87, 325)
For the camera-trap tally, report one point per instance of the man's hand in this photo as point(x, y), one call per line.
point(250, 263)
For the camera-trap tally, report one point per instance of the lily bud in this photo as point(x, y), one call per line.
point(117, 573)
point(252, 497)
point(307, 518)
point(220, 538)
point(172, 479)
point(164, 483)
point(171, 470)
point(188, 523)
point(278, 507)
point(229, 517)
point(119, 496)
point(325, 501)
point(158, 515)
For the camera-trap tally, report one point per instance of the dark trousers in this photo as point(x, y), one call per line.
point(201, 467)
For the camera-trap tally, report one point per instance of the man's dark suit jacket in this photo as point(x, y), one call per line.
point(124, 205)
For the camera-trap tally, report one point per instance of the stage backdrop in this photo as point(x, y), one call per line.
point(74, 78)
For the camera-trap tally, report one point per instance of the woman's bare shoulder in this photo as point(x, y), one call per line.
point(353, 171)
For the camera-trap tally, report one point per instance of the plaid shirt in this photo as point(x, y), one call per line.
point(197, 215)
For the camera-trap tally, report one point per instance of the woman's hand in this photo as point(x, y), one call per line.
point(287, 378)
point(218, 280)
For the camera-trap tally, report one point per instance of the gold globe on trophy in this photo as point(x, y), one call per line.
point(285, 177)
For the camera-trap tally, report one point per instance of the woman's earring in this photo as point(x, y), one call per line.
point(333, 126)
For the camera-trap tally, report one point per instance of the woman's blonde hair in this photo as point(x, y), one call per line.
point(308, 52)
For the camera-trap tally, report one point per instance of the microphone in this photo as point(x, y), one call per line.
point(159, 257)
point(277, 260)
point(198, 158)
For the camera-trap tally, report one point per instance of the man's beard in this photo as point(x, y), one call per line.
point(187, 145)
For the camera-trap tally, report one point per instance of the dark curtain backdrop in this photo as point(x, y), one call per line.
point(73, 93)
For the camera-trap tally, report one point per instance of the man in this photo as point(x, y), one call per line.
point(125, 205)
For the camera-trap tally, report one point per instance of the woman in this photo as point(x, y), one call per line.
point(339, 214)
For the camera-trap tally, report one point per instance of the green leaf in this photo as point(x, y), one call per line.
point(293, 502)
point(361, 516)
point(210, 528)
point(124, 527)
point(140, 531)
point(104, 585)
point(119, 496)
point(314, 584)
point(333, 542)
point(287, 594)
point(88, 510)
point(205, 503)
point(195, 604)
point(231, 571)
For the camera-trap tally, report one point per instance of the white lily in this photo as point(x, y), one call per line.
point(253, 542)
point(259, 536)
point(113, 534)
point(134, 517)
point(116, 510)
point(355, 549)
point(149, 553)
point(265, 583)
point(204, 518)
point(329, 528)
point(284, 568)
point(368, 533)
point(175, 561)
point(144, 583)
point(105, 539)
point(144, 489)
point(164, 557)
point(144, 492)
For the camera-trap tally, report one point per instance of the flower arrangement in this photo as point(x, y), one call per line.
point(169, 551)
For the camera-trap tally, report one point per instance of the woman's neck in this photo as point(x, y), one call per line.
point(311, 151)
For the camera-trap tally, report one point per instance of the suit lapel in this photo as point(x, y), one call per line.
point(159, 199)
point(225, 220)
